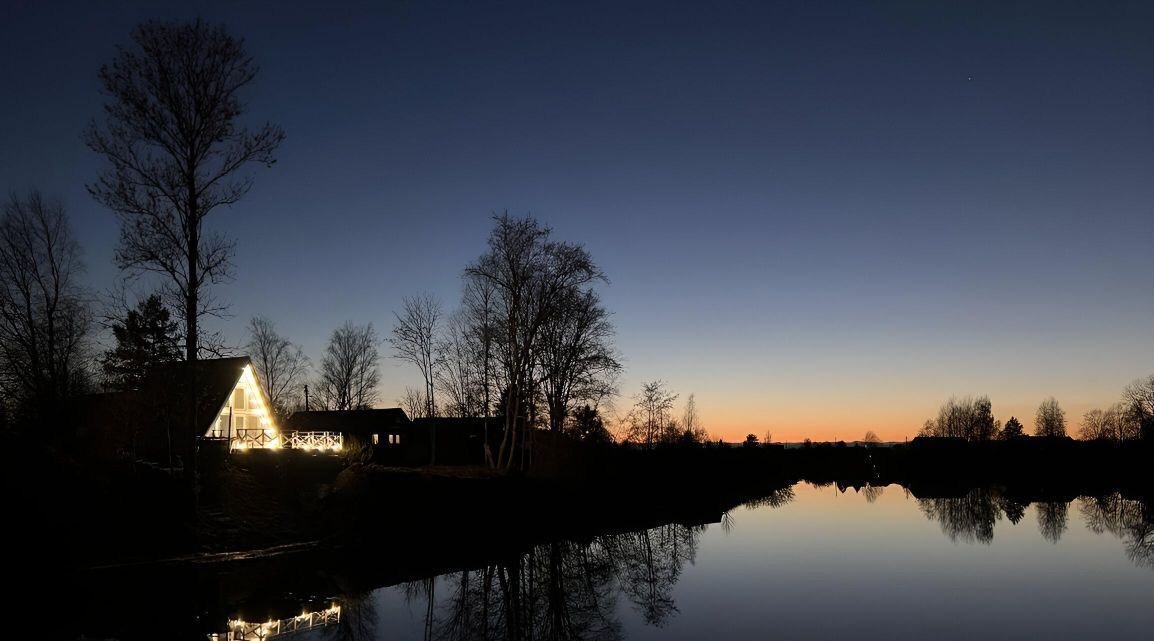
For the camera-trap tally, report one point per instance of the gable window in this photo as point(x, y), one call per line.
point(238, 398)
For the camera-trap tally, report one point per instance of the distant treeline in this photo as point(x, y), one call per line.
point(972, 419)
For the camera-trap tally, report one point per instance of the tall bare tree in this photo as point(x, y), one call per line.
point(480, 315)
point(280, 364)
point(349, 375)
point(576, 359)
point(530, 276)
point(459, 368)
point(176, 150)
point(1050, 419)
point(44, 316)
point(414, 340)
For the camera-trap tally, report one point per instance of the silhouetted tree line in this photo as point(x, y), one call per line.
point(972, 419)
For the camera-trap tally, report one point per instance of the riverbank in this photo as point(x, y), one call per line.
point(264, 500)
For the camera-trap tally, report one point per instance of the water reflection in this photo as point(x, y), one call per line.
point(1128, 519)
point(566, 590)
point(241, 630)
point(610, 586)
point(971, 518)
point(1052, 519)
point(872, 493)
point(357, 620)
point(967, 518)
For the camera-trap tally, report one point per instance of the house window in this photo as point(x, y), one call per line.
point(238, 422)
point(394, 439)
point(376, 439)
point(238, 398)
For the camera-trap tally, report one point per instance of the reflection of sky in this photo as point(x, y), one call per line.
point(833, 566)
point(818, 217)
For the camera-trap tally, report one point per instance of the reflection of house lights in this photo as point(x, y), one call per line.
point(240, 630)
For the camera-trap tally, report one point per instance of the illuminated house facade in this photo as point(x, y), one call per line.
point(244, 418)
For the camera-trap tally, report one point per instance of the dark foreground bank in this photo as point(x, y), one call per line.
point(268, 499)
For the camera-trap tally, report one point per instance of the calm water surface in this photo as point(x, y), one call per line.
point(807, 563)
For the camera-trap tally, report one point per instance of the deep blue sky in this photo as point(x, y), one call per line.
point(817, 216)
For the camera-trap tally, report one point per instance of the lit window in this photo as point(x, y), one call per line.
point(238, 421)
point(238, 398)
point(376, 439)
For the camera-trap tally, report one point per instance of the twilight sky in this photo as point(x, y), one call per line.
point(818, 217)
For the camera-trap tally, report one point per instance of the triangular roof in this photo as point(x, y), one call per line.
point(215, 380)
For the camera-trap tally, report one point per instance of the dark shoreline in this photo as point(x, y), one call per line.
point(382, 526)
point(270, 499)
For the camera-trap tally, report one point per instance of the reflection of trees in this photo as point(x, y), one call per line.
point(1014, 509)
point(872, 493)
point(969, 518)
point(1128, 519)
point(358, 620)
point(972, 517)
point(650, 565)
point(567, 590)
point(1052, 519)
point(774, 499)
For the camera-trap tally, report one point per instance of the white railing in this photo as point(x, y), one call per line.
point(316, 441)
point(255, 439)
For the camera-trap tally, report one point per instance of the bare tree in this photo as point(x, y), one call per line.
point(1138, 401)
point(44, 317)
point(479, 309)
point(576, 356)
point(1050, 419)
point(349, 375)
point(529, 275)
point(649, 419)
point(414, 403)
point(870, 439)
point(280, 365)
point(414, 340)
point(459, 369)
point(969, 418)
point(175, 148)
point(1115, 423)
point(692, 424)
